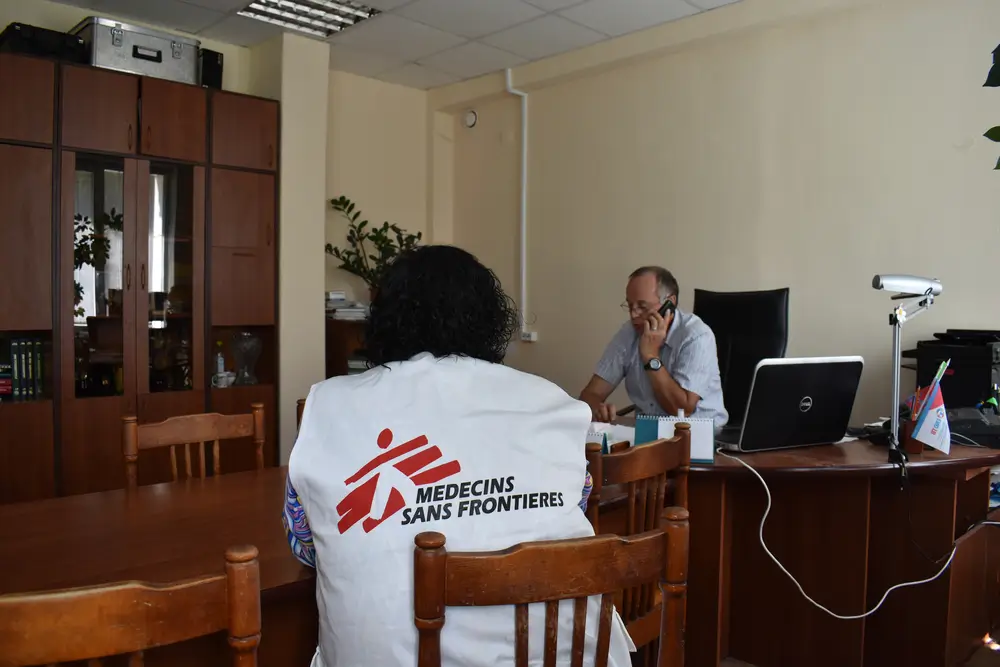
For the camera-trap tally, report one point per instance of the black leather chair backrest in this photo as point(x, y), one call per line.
point(748, 327)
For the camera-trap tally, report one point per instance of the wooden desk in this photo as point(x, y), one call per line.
point(839, 523)
point(165, 532)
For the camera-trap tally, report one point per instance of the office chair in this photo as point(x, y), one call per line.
point(748, 327)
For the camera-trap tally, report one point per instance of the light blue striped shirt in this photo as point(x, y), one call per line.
point(689, 355)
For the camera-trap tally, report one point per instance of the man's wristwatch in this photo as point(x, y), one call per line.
point(653, 364)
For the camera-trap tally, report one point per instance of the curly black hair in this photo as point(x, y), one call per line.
point(439, 299)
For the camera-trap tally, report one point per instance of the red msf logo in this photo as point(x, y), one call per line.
point(357, 505)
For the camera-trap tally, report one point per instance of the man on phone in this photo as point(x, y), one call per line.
point(666, 356)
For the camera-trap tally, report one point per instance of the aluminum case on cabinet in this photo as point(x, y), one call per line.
point(130, 48)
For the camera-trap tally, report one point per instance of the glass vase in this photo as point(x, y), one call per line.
point(246, 350)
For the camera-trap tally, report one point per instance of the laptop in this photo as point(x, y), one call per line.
point(796, 402)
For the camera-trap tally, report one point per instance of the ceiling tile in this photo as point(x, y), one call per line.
point(385, 5)
point(359, 61)
point(172, 14)
point(711, 4)
point(553, 5)
point(241, 31)
point(614, 18)
point(220, 5)
point(471, 59)
point(543, 37)
point(470, 18)
point(396, 36)
point(417, 76)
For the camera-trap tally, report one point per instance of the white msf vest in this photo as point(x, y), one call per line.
point(487, 455)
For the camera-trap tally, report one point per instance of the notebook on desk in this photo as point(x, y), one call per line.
point(651, 427)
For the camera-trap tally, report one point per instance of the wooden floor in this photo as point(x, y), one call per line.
point(982, 658)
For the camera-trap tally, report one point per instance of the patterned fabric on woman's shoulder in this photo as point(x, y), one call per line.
point(588, 486)
point(300, 537)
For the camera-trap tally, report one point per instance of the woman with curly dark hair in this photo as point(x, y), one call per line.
point(437, 435)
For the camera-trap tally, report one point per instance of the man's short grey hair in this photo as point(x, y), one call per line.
point(666, 284)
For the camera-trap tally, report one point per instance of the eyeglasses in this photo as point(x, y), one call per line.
point(642, 308)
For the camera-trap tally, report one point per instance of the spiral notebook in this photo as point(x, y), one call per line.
point(650, 427)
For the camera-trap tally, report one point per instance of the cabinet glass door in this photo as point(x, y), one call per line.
point(170, 263)
point(102, 275)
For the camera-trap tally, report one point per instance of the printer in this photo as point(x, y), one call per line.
point(974, 368)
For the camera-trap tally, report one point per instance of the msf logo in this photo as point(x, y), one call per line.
point(412, 458)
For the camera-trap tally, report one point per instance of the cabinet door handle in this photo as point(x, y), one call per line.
point(142, 276)
point(149, 137)
point(244, 254)
point(130, 136)
point(128, 276)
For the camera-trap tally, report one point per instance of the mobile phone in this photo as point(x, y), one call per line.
point(667, 306)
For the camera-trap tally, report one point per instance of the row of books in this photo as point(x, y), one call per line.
point(21, 374)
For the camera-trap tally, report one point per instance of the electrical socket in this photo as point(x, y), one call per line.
point(529, 336)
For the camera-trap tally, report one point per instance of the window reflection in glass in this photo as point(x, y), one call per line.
point(171, 275)
point(98, 275)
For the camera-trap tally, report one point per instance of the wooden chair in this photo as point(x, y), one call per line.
point(90, 623)
point(549, 572)
point(187, 430)
point(642, 473)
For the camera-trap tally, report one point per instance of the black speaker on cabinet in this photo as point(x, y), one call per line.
point(210, 68)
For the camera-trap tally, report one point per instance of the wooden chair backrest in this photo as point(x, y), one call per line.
point(190, 430)
point(548, 572)
point(300, 406)
point(90, 623)
point(643, 472)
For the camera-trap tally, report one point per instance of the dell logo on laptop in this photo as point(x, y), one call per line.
point(805, 404)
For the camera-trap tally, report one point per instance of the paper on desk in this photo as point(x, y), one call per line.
point(615, 433)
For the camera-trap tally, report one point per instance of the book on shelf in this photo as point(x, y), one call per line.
point(22, 370)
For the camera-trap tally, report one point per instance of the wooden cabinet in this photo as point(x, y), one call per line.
point(244, 131)
point(99, 110)
point(344, 341)
point(108, 250)
point(243, 248)
point(27, 98)
point(26, 462)
point(173, 120)
point(25, 238)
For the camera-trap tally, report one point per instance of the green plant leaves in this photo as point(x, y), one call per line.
point(387, 240)
point(993, 134)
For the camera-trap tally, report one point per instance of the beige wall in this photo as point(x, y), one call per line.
point(304, 70)
point(44, 14)
point(377, 155)
point(767, 146)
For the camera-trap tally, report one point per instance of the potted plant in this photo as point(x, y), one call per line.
point(993, 81)
point(369, 249)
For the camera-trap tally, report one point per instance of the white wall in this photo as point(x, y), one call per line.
point(809, 151)
point(377, 155)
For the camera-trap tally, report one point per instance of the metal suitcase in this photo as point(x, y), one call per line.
point(138, 50)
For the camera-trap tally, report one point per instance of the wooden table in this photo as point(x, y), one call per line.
point(839, 522)
point(165, 532)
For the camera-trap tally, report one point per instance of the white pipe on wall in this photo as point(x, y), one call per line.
point(524, 200)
